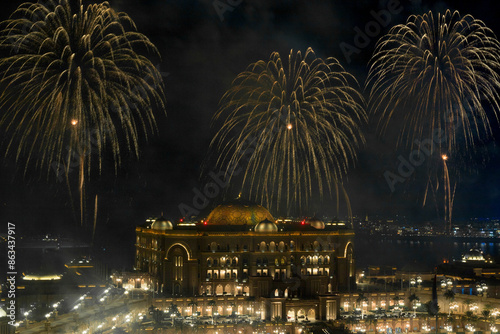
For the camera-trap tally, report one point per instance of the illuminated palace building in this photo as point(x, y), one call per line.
point(242, 261)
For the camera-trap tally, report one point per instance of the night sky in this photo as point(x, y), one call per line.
point(202, 51)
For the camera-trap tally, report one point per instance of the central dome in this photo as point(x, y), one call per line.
point(238, 213)
point(162, 224)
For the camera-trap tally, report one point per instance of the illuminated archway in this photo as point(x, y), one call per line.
point(183, 245)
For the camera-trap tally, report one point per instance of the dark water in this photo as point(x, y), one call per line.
point(418, 253)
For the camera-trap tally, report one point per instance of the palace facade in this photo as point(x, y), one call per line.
point(239, 252)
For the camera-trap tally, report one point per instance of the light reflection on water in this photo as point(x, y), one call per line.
point(421, 254)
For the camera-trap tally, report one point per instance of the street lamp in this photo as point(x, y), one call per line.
point(26, 314)
point(485, 288)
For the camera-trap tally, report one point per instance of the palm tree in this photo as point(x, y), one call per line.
point(414, 299)
point(467, 303)
point(174, 312)
point(173, 309)
point(396, 300)
point(485, 317)
point(450, 296)
point(372, 321)
point(212, 304)
point(468, 318)
point(359, 301)
point(193, 304)
point(432, 309)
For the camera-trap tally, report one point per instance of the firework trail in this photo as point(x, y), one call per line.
point(291, 127)
point(435, 79)
point(75, 78)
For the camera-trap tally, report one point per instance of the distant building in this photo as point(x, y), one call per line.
point(472, 273)
point(240, 254)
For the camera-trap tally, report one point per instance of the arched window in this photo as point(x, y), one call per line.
point(350, 259)
point(213, 246)
point(272, 246)
point(228, 261)
point(283, 261)
point(292, 245)
point(327, 259)
point(308, 260)
point(259, 262)
point(209, 262)
point(320, 260)
point(277, 261)
point(235, 261)
point(179, 264)
point(281, 246)
point(316, 246)
point(216, 262)
point(315, 259)
point(264, 262)
point(311, 315)
point(276, 293)
point(302, 260)
point(263, 246)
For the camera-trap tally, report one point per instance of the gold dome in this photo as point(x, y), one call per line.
point(266, 226)
point(316, 223)
point(238, 213)
point(162, 224)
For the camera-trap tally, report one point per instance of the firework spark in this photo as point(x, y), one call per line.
point(432, 74)
point(433, 78)
point(75, 78)
point(290, 127)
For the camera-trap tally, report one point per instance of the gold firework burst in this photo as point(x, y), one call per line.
point(290, 127)
point(75, 79)
point(436, 74)
point(436, 79)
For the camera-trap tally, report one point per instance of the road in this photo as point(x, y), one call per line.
point(87, 317)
